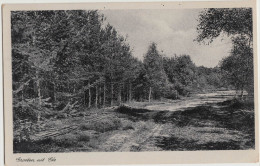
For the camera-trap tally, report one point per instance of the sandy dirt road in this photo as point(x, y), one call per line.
point(196, 100)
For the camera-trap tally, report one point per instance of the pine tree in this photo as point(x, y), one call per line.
point(156, 76)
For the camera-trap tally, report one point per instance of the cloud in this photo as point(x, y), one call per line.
point(173, 30)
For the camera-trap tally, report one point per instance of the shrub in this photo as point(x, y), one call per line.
point(24, 113)
point(128, 127)
point(83, 137)
point(66, 140)
point(102, 125)
point(41, 146)
point(117, 122)
point(84, 126)
point(240, 104)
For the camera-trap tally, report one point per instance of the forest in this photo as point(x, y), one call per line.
point(70, 60)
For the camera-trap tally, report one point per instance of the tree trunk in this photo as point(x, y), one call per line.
point(150, 93)
point(112, 91)
point(100, 96)
point(38, 87)
point(89, 95)
point(104, 95)
point(96, 101)
point(130, 92)
point(124, 93)
point(119, 95)
point(127, 93)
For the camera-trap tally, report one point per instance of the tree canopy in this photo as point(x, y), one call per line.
point(73, 58)
point(237, 69)
point(229, 21)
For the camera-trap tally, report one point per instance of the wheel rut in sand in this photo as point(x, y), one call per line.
point(142, 140)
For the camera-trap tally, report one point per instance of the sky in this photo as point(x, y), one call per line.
point(173, 31)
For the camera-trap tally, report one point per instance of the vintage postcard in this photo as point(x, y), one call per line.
point(130, 83)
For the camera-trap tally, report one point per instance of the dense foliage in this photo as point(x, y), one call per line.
point(237, 69)
point(62, 60)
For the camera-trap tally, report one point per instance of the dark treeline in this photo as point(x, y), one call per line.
point(63, 59)
point(67, 58)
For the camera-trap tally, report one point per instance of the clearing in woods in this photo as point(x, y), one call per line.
point(203, 122)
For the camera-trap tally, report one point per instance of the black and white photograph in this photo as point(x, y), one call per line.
point(132, 80)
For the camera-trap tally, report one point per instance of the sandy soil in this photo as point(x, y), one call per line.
point(203, 122)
